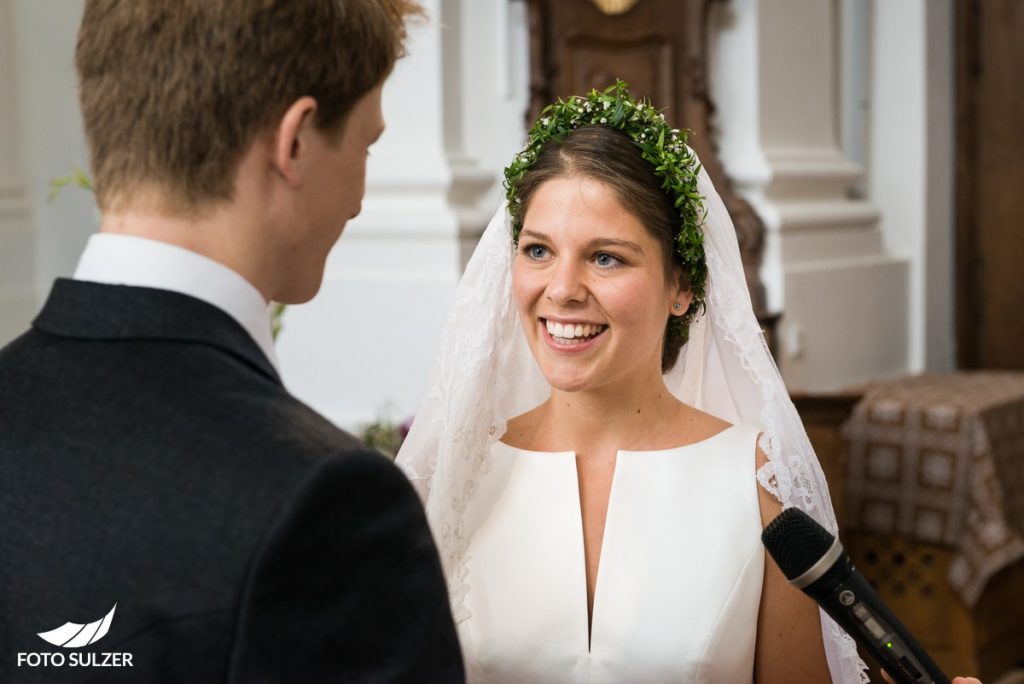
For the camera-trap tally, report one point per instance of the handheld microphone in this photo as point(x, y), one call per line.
point(814, 562)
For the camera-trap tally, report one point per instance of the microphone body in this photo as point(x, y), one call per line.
point(814, 561)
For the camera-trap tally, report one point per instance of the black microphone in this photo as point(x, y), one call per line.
point(814, 562)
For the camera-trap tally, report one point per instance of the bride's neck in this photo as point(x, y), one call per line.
point(609, 418)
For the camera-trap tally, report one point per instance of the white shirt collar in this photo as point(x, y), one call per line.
point(129, 260)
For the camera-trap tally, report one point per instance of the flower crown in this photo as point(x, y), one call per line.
point(660, 145)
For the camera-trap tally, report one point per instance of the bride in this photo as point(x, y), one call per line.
point(605, 433)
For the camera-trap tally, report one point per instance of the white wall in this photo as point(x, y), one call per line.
point(51, 134)
point(17, 294)
point(912, 155)
point(855, 61)
point(42, 139)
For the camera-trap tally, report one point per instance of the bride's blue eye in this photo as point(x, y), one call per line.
point(604, 259)
point(535, 251)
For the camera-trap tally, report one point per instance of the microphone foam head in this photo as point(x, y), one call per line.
point(796, 542)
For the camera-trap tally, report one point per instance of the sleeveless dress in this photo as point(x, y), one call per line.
point(679, 580)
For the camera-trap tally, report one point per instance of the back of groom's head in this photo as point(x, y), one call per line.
point(173, 92)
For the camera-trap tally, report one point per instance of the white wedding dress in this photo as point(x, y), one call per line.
point(679, 581)
point(677, 540)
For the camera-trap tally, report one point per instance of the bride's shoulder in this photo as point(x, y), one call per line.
point(694, 425)
point(704, 425)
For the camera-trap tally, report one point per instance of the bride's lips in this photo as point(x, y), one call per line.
point(568, 348)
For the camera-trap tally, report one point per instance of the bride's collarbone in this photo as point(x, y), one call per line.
point(538, 430)
point(683, 429)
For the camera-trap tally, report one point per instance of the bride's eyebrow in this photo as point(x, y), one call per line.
point(596, 243)
point(612, 242)
point(533, 235)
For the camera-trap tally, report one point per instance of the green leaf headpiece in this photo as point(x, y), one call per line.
point(660, 145)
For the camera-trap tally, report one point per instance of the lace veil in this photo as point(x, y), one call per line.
point(484, 375)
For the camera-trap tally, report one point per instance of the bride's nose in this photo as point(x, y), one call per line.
point(566, 283)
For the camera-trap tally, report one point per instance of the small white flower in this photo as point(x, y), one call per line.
point(604, 120)
point(607, 104)
point(545, 121)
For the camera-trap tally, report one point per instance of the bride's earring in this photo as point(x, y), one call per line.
point(677, 306)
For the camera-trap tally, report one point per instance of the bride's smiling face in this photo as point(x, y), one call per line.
point(591, 287)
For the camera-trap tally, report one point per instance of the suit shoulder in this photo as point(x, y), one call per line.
point(274, 424)
point(358, 475)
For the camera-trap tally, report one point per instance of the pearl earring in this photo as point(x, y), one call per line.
point(677, 306)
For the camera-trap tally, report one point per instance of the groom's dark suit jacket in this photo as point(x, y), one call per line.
point(150, 457)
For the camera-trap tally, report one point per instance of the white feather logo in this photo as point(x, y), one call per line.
point(74, 635)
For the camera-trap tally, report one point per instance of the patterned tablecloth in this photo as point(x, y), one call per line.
point(939, 458)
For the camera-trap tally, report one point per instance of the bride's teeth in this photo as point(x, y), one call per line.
point(569, 331)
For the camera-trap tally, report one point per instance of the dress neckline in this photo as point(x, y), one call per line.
point(626, 455)
point(620, 452)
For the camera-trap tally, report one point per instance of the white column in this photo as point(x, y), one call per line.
point(843, 298)
point(17, 299)
point(736, 91)
point(363, 348)
point(495, 74)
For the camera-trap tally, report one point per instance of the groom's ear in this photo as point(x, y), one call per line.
point(292, 140)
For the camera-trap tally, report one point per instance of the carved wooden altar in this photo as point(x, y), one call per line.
point(660, 48)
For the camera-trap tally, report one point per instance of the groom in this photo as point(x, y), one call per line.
point(169, 512)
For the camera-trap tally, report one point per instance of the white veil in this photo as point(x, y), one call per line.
point(484, 375)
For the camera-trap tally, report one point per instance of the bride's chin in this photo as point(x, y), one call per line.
point(567, 383)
